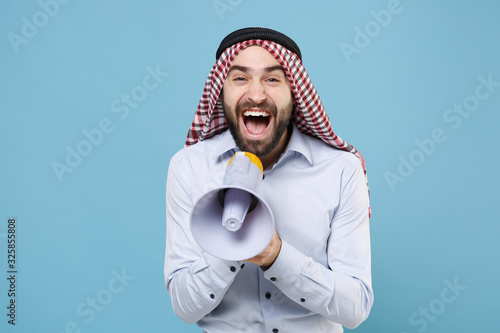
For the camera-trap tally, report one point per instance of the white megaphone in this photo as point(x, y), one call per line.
point(233, 222)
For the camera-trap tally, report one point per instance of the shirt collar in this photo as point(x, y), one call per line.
point(298, 143)
point(226, 144)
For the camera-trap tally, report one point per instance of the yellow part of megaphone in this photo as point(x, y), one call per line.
point(253, 158)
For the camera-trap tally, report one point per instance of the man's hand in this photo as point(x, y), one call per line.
point(267, 257)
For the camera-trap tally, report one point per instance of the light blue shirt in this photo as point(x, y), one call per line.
point(321, 279)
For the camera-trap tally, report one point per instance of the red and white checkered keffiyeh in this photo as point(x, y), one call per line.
point(309, 114)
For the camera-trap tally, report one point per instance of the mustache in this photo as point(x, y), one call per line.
point(266, 106)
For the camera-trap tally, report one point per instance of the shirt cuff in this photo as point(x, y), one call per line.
point(287, 267)
point(224, 270)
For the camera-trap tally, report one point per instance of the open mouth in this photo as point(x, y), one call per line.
point(256, 122)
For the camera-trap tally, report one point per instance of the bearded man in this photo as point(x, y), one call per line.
point(315, 274)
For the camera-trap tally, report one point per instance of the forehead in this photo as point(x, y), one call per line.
point(255, 57)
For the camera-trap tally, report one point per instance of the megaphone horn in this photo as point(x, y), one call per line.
point(233, 222)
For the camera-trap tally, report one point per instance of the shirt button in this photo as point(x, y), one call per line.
point(242, 265)
point(302, 300)
point(268, 295)
point(273, 279)
point(212, 296)
point(232, 268)
point(275, 330)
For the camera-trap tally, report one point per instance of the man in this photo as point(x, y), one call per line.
point(315, 274)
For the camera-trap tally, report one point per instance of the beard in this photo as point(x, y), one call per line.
point(260, 147)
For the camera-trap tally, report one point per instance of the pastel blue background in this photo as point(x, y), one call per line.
point(107, 215)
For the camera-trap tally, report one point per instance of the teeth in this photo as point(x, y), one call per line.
point(255, 114)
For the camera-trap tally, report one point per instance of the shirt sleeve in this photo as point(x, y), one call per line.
point(341, 292)
point(195, 280)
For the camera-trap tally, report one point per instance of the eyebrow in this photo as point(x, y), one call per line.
point(247, 69)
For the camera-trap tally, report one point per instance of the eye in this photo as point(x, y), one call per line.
point(274, 80)
point(239, 79)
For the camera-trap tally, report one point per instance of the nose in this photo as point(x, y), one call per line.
point(256, 92)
